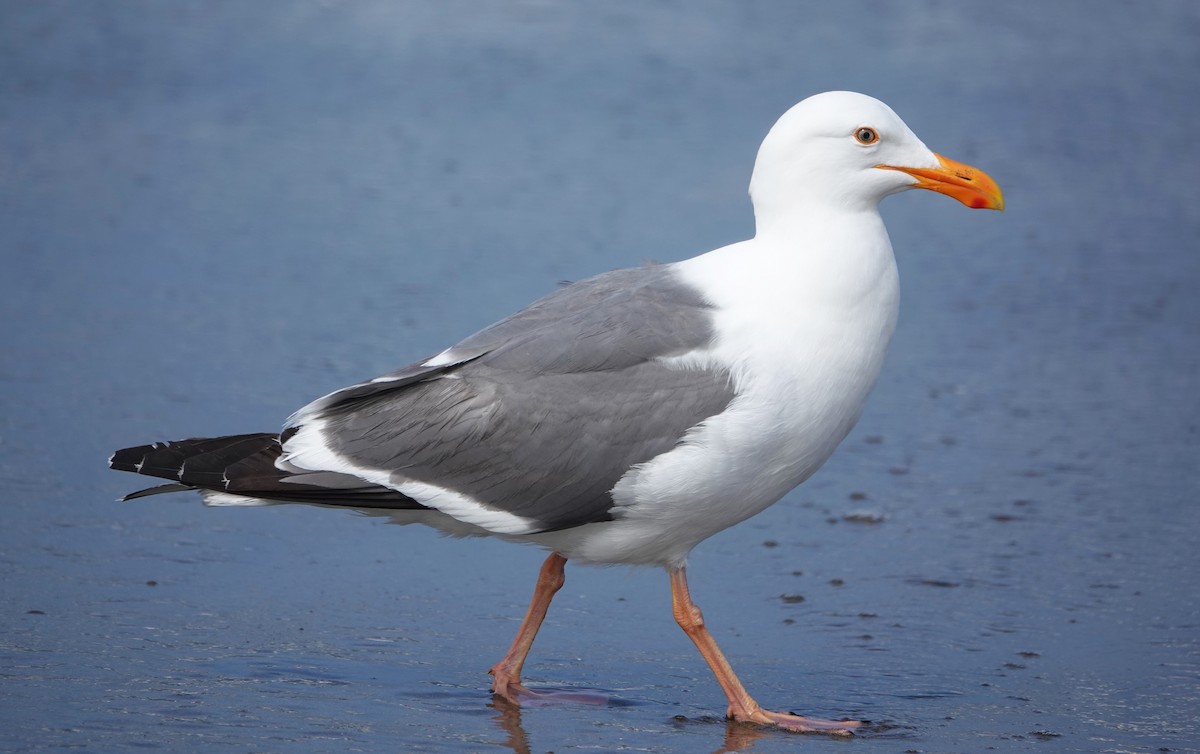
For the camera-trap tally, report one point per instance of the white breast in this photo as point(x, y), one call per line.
point(803, 329)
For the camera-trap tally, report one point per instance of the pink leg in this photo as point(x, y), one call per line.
point(506, 674)
point(742, 707)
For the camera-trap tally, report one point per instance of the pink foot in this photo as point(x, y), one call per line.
point(798, 724)
point(507, 685)
point(509, 688)
point(539, 697)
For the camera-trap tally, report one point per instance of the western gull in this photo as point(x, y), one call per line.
point(627, 417)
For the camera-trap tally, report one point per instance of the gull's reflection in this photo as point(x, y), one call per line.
point(508, 719)
point(738, 736)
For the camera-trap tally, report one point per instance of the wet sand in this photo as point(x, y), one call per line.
point(211, 214)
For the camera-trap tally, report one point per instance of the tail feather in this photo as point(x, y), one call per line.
point(244, 465)
point(158, 490)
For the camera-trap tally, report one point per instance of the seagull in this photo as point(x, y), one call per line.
point(627, 417)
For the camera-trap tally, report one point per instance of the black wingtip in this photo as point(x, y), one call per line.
point(131, 459)
point(244, 465)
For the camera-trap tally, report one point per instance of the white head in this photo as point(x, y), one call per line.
point(844, 151)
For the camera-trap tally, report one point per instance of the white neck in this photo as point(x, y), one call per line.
point(828, 285)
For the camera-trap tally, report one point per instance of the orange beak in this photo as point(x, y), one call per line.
point(969, 185)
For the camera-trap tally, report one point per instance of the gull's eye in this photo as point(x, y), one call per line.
point(866, 135)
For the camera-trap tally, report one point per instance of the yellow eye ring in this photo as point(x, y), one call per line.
point(866, 135)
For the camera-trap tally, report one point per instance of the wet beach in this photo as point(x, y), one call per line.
point(213, 213)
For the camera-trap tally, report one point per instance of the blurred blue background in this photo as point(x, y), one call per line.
point(213, 212)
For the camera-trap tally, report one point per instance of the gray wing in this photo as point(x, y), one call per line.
point(540, 414)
